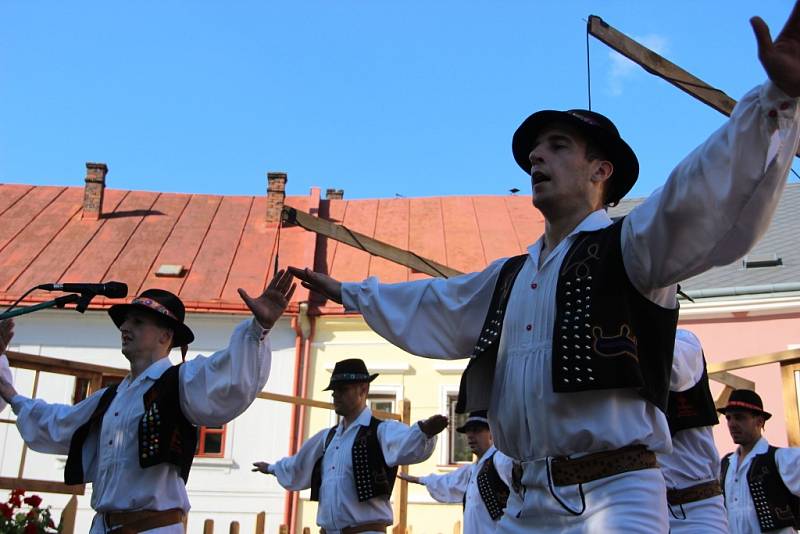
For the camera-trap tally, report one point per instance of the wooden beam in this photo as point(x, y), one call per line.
point(60, 365)
point(660, 66)
point(41, 486)
point(724, 395)
point(783, 357)
point(790, 404)
point(367, 244)
point(319, 404)
point(732, 380)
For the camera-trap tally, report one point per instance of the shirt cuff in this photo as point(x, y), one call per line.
point(418, 428)
point(349, 289)
point(16, 402)
point(271, 469)
point(257, 331)
point(776, 103)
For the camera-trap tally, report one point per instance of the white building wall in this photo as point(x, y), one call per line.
point(222, 489)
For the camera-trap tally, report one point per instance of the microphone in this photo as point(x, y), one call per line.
point(114, 290)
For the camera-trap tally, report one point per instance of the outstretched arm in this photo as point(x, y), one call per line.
point(216, 389)
point(449, 487)
point(294, 472)
point(404, 445)
point(719, 201)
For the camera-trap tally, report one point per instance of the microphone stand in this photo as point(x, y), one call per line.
point(82, 302)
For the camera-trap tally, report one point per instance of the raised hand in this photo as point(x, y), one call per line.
point(320, 283)
point(433, 425)
point(781, 58)
point(269, 306)
point(261, 467)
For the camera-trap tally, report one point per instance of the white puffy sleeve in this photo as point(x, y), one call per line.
point(404, 445)
point(449, 487)
point(294, 472)
point(788, 462)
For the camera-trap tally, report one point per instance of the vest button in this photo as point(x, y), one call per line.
point(534, 285)
point(529, 327)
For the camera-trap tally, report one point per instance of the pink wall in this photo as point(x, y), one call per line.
point(742, 336)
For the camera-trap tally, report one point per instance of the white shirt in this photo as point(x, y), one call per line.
point(5, 372)
point(713, 208)
point(212, 391)
point(694, 457)
point(338, 502)
point(742, 518)
point(452, 488)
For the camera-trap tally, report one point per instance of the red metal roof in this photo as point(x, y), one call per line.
point(224, 242)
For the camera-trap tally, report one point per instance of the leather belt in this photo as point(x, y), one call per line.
point(571, 471)
point(375, 526)
point(698, 492)
point(143, 520)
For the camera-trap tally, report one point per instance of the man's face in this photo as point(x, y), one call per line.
point(142, 334)
point(479, 439)
point(563, 179)
point(350, 399)
point(745, 426)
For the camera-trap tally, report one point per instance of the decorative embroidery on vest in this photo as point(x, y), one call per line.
point(493, 491)
point(623, 344)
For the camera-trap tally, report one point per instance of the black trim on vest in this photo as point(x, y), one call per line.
point(73, 470)
point(606, 335)
point(371, 475)
point(473, 393)
point(776, 506)
point(693, 408)
point(165, 435)
point(493, 491)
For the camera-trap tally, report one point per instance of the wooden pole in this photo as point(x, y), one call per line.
point(208, 526)
point(261, 522)
point(234, 528)
point(402, 505)
point(367, 244)
point(319, 404)
point(68, 516)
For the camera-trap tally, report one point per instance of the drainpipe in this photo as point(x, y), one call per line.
point(304, 334)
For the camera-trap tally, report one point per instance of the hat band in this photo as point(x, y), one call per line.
point(585, 119)
point(349, 376)
point(476, 420)
point(747, 405)
point(155, 306)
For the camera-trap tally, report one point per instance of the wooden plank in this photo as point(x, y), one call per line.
point(318, 404)
point(261, 522)
point(783, 356)
point(61, 366)
point(68, 516)
point(402, 513)
point(367, 244)
point(660, 66)
point(722, 400)
point(732, 380)
point(41, 486)
point(208, 526)
point(234, 528)
point(790, 403)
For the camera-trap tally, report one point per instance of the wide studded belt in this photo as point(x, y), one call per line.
point(699, 492)
point(571, 471)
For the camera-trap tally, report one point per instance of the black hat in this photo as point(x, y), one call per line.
point(598, 129)
point(475, 420)
point(745, 400)
point(352, 371)
point(166, 306)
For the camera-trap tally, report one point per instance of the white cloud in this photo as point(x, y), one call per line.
point(623, 68)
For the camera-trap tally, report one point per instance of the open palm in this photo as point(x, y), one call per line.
point(268, 307)
point(781, 58)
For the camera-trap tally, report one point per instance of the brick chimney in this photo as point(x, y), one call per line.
point(276, 193)
point(334, 194)
point(93, 191)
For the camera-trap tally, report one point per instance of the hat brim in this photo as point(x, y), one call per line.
point(181, 336)
point(472, 424)
point(626, 165)
point(333, 383)
point(725, 409)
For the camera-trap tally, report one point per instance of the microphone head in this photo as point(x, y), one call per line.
point(115, 290)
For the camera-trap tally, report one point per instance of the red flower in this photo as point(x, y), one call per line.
point(18, 491)
point(15, 501)
point(33, 500)
point(31, 528)
point(6, 510)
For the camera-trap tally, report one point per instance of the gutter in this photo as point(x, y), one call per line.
point(734, 291)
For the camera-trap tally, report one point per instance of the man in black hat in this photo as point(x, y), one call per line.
point(351, 468)
point(135, 441)
point(761, 482)
point(481, 487)
point(577, 387)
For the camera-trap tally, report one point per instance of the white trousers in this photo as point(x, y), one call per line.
point(633, 502)
point(700, 517)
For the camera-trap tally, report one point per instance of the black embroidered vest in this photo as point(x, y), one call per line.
point(605, 334)
point(165, 435)
point(371, 475)
point(776, 507)
point(692, 408)
point(494, 492)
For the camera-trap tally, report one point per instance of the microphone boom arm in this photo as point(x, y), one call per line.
point(82, 301)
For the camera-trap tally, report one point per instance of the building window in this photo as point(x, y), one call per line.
point(382, 402)
point(211, 441)
point(458, 449)
point(82, 386)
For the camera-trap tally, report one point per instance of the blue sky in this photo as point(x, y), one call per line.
point(413, 98)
